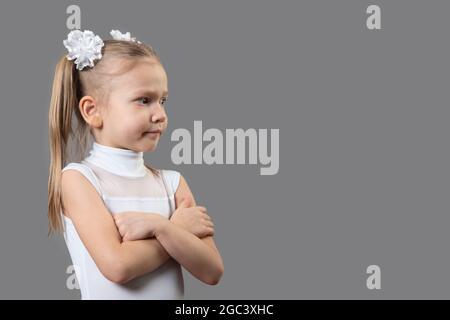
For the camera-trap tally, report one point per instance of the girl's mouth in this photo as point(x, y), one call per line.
point(153, 134)
point(154, 131)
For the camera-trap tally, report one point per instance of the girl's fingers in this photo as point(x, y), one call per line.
point(208, 219)
point(205, 216)
point(208, 222)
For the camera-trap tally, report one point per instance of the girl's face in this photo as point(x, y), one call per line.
point(135, 107)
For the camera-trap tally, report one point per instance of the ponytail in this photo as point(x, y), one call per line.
point(65, 95)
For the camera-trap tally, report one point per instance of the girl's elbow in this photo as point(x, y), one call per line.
point(119, 277)
point(215, 277)
point(116, 275)
point(116, 272)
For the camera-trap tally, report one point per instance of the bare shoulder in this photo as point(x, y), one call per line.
point(74, 188)
point(81, 200)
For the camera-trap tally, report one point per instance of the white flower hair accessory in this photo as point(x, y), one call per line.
point(84, 46)
point(117, 35)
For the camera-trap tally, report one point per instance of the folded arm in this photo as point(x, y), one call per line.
point(199, 256)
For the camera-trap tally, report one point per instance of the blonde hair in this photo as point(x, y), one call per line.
point(69, 86)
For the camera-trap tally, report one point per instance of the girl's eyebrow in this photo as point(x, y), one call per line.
point(150, 92)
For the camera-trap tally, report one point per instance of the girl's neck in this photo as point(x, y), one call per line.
point(119, 161)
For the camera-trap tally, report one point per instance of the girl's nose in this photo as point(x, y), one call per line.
point(159, 115)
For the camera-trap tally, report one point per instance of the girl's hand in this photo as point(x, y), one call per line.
point(133, 225)
point(193, 219)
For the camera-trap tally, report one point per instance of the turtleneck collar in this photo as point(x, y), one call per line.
point(119, 161)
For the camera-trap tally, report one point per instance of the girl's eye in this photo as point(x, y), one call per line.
point(146, 100)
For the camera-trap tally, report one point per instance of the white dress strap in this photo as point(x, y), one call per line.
point(172, 178)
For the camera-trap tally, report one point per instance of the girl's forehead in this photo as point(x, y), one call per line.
point(144, 74)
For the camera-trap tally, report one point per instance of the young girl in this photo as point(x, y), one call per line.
point(124, 237)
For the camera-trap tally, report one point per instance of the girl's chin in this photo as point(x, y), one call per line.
point(149, 144)
point(146, 148)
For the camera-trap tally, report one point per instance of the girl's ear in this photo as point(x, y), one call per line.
point(90, 111)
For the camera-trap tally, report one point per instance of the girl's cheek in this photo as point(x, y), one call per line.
point(128, 129)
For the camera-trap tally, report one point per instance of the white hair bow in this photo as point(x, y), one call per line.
point(86, 47)
point(117, 35)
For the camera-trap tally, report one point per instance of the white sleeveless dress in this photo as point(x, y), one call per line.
point(125, 184)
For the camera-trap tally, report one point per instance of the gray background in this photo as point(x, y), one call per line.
point(363, 118)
